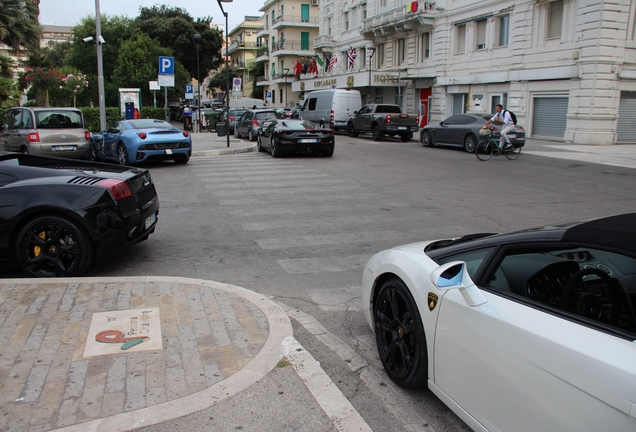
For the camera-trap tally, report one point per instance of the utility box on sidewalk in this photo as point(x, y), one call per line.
point(221, 129)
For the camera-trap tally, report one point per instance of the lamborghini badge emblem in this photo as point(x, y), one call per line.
point(432, 301)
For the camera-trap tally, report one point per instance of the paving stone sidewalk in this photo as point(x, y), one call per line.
point(209, 332)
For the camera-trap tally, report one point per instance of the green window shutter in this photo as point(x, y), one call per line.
point(304, 13)
point(304, 40)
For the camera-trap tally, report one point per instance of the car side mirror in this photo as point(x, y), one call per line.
point(355, 112)
point(442, 123)
point(103, 132)
point(454, 275)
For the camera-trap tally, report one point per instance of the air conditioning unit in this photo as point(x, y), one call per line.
point(315, 2)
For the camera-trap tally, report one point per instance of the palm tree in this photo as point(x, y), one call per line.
point(6, 67)
point(19, 27)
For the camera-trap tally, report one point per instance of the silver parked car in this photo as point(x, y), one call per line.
point(252, 120)
point(46, 131)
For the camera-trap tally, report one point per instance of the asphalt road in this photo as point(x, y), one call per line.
point(300, 229)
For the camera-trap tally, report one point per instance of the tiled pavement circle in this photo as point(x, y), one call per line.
point(217, 340)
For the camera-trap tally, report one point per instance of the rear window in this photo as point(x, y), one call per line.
point(59, 119)
point(388, 109)
point(150, 123)
point(265, 115)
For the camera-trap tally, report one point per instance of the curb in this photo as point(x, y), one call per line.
point(223, 151)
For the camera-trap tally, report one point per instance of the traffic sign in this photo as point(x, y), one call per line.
point(189, 91)
point(166, 65)
point(165, 80)
point(237, 82)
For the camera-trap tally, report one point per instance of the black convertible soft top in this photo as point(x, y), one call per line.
point(615, 231)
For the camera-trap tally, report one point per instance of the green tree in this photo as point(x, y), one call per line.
point(83, 55)
point(19, 26)
point(137, 65)
point(56, 52)
point(38, 79)
point(9, 92)
point(174, 28)
point(218, 79)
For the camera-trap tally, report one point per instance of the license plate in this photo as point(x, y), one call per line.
point(308, 140)
point(63, 148)
point(168, 151)
point(512, 136)
point(150, 220)
point(402, 128)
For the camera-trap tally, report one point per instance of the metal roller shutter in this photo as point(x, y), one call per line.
point(550, 116)
point(626, 128)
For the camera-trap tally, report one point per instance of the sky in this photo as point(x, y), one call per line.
point(70, 12)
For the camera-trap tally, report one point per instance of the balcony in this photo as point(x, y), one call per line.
point(261, 31)
point(292, 47)
point(295, 20)
point(241, 44)
point(324, 42)
point(237, 64)
point(262, 80)
point(399, 20)
point(262, 54)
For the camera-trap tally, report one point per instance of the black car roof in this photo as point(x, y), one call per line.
point(617, 232)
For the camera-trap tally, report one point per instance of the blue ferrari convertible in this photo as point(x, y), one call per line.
point(131, 142)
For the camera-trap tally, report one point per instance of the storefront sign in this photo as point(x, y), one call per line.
point(324, 83)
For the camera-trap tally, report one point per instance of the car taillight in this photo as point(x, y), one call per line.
point(142, 135)
point(332, 116)
point(520, 127)
point(282, 132)
point(231, 118)
point(118, 188)
point(255, 122)
point(185, 133)
point(87, 135)
point(33, 137)
point(387, 119)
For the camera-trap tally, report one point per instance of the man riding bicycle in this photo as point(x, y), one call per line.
point(508, 124)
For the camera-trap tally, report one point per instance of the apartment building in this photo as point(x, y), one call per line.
point(567, 68)
point(242, 51)
point(50, 33)
point(286, 38)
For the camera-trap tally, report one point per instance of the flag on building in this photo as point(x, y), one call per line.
point(332, 62)
point(411, 7)
point(351, 55)
point(328, 56)
point(319, 60)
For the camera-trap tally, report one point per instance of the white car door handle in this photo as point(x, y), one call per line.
point(628, 407)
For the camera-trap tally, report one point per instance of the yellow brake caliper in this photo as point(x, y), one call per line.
point(36, 249)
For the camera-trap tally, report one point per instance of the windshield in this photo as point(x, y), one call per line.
point(150, 123)
point(266, 115)
point(55, 119)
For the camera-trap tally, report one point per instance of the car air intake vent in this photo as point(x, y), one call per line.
point(85, 180)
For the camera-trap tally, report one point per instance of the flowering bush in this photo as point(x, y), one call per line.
point(73, 84)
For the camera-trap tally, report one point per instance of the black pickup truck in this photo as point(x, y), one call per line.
point(381, 120)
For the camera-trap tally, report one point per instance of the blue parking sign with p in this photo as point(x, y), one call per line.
point(166, 65)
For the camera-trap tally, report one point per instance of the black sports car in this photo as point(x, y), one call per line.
point(295, 136)
point(462, 130)
point(58, 215)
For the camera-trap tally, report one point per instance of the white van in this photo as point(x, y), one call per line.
point(331, 107)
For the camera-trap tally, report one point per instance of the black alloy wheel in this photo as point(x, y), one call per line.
point(250, 135)
point(376, 133)
point(351, 131)
point(51, 246)
point(399, 334)
point(259, 145)
point(274, 148)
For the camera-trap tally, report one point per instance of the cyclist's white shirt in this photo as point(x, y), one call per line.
point(503, 116)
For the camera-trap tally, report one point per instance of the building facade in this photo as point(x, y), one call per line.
point(567, 68)
point(286, 39)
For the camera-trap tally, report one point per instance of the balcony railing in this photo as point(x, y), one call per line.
point(262, 79)
point(323, 41)
point(292, 45)
point(262, 51)
point(294, 19)
point(238, 63)
point(400, 15)
point(242, 44)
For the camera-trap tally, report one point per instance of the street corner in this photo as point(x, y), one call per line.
point(118, 353)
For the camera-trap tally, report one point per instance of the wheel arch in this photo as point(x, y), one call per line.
point(32, 213)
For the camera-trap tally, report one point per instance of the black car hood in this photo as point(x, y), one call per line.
point(24, 167)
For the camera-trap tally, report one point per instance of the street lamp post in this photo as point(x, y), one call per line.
point(100, 69)
point(286, 71)
point(196, 37)
point(372, 49)
point(227, 69)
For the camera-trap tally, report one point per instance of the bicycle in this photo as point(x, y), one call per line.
point(487, 145)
